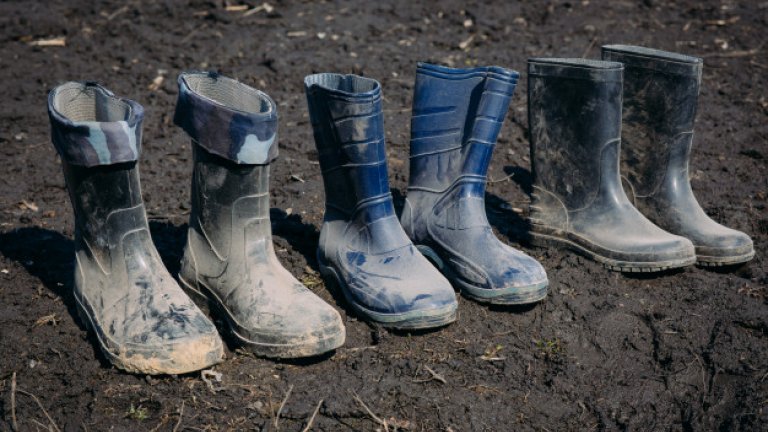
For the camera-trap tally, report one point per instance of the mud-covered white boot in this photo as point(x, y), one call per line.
point(229, 260)
point(143, 321)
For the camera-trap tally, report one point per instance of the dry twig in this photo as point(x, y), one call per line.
point(376, 418)
point(181, 413)
point(53, 42)
point(282, 405)
point(434, 376)
point(13, 403)
point(312, 419)
point(40, 405)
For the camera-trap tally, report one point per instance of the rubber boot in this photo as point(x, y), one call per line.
point(574, 109)
point(362, 245)
point(661, 91)
point(457, 115)
point(229, 260)
point(143, 321)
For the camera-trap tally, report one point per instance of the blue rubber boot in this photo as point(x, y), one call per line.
point(362, 245)
point(457, 115)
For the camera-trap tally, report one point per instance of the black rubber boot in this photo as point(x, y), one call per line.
point(142, 319)
point(574, 109)
point(661, 92)
point(229, 260)
point(457, 116)
point(362, 245)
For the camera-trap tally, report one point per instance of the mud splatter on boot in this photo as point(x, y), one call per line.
point(661, 92)
point(574, 112)
point(457, 116)
point(362, 245)
point(229, 260)
point(142, 319)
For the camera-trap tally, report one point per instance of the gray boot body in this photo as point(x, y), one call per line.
point(574, 109)
point(142, 319)
point(661, 91)
point(363, 247)
point(457, 115)
point(229, 260)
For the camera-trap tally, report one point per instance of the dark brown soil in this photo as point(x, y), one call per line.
point(685, 351)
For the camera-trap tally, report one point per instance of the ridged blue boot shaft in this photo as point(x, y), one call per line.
point(362, 245)
point(457, 117)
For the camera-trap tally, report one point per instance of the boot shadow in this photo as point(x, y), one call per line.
point(49, 256)
point(500, 215)
point(169, 241)
point(302, 236)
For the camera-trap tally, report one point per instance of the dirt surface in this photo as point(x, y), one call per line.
point(686, 350)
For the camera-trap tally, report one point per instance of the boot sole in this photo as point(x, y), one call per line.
point(714, 261)
point(506, 296)
point(414, 320)
point(211, 303)
point(545, 240)
point(158, 367)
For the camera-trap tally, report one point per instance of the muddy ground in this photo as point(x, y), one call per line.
point(687, 350)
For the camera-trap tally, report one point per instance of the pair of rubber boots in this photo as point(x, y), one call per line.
point(456, 118)
point(579, 162)
point(143, 320)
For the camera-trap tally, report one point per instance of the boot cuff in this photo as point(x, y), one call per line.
point(90, 126)
point(576, 68)
point(227, 118)
point(656, 60)
point(347, 87)
point(445, 72)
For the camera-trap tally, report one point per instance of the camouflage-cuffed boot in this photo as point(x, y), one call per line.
point(229, 260)
point(143, 321)
point(362, 245)
point(661, 92)
point(457, 115)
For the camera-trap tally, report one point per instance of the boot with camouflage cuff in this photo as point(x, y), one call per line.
point(143, 321)
point(229, 261)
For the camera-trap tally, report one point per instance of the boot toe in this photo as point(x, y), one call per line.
point(183, 356)
point(727, 247)
point(414, 295)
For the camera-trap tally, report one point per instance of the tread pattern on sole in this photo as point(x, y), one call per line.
point(549, 240)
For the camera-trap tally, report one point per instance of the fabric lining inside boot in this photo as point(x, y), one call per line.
point(228, 92)
point(84, 102)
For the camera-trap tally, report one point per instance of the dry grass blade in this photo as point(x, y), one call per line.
point(181, 413)
point(53, 42)
point(373, 416)
point(282, 405)
point(734, 54)
point(40, 405)
point(14, 424)
point(312, 419)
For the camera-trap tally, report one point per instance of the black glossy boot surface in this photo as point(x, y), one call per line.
point(661, 91)
point(574, 108)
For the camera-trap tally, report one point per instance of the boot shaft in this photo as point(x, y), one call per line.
point(457, 116)
point(574, 109)
point(234, 139)
point(661, 92)
point(98, 137)
point(348, 126)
